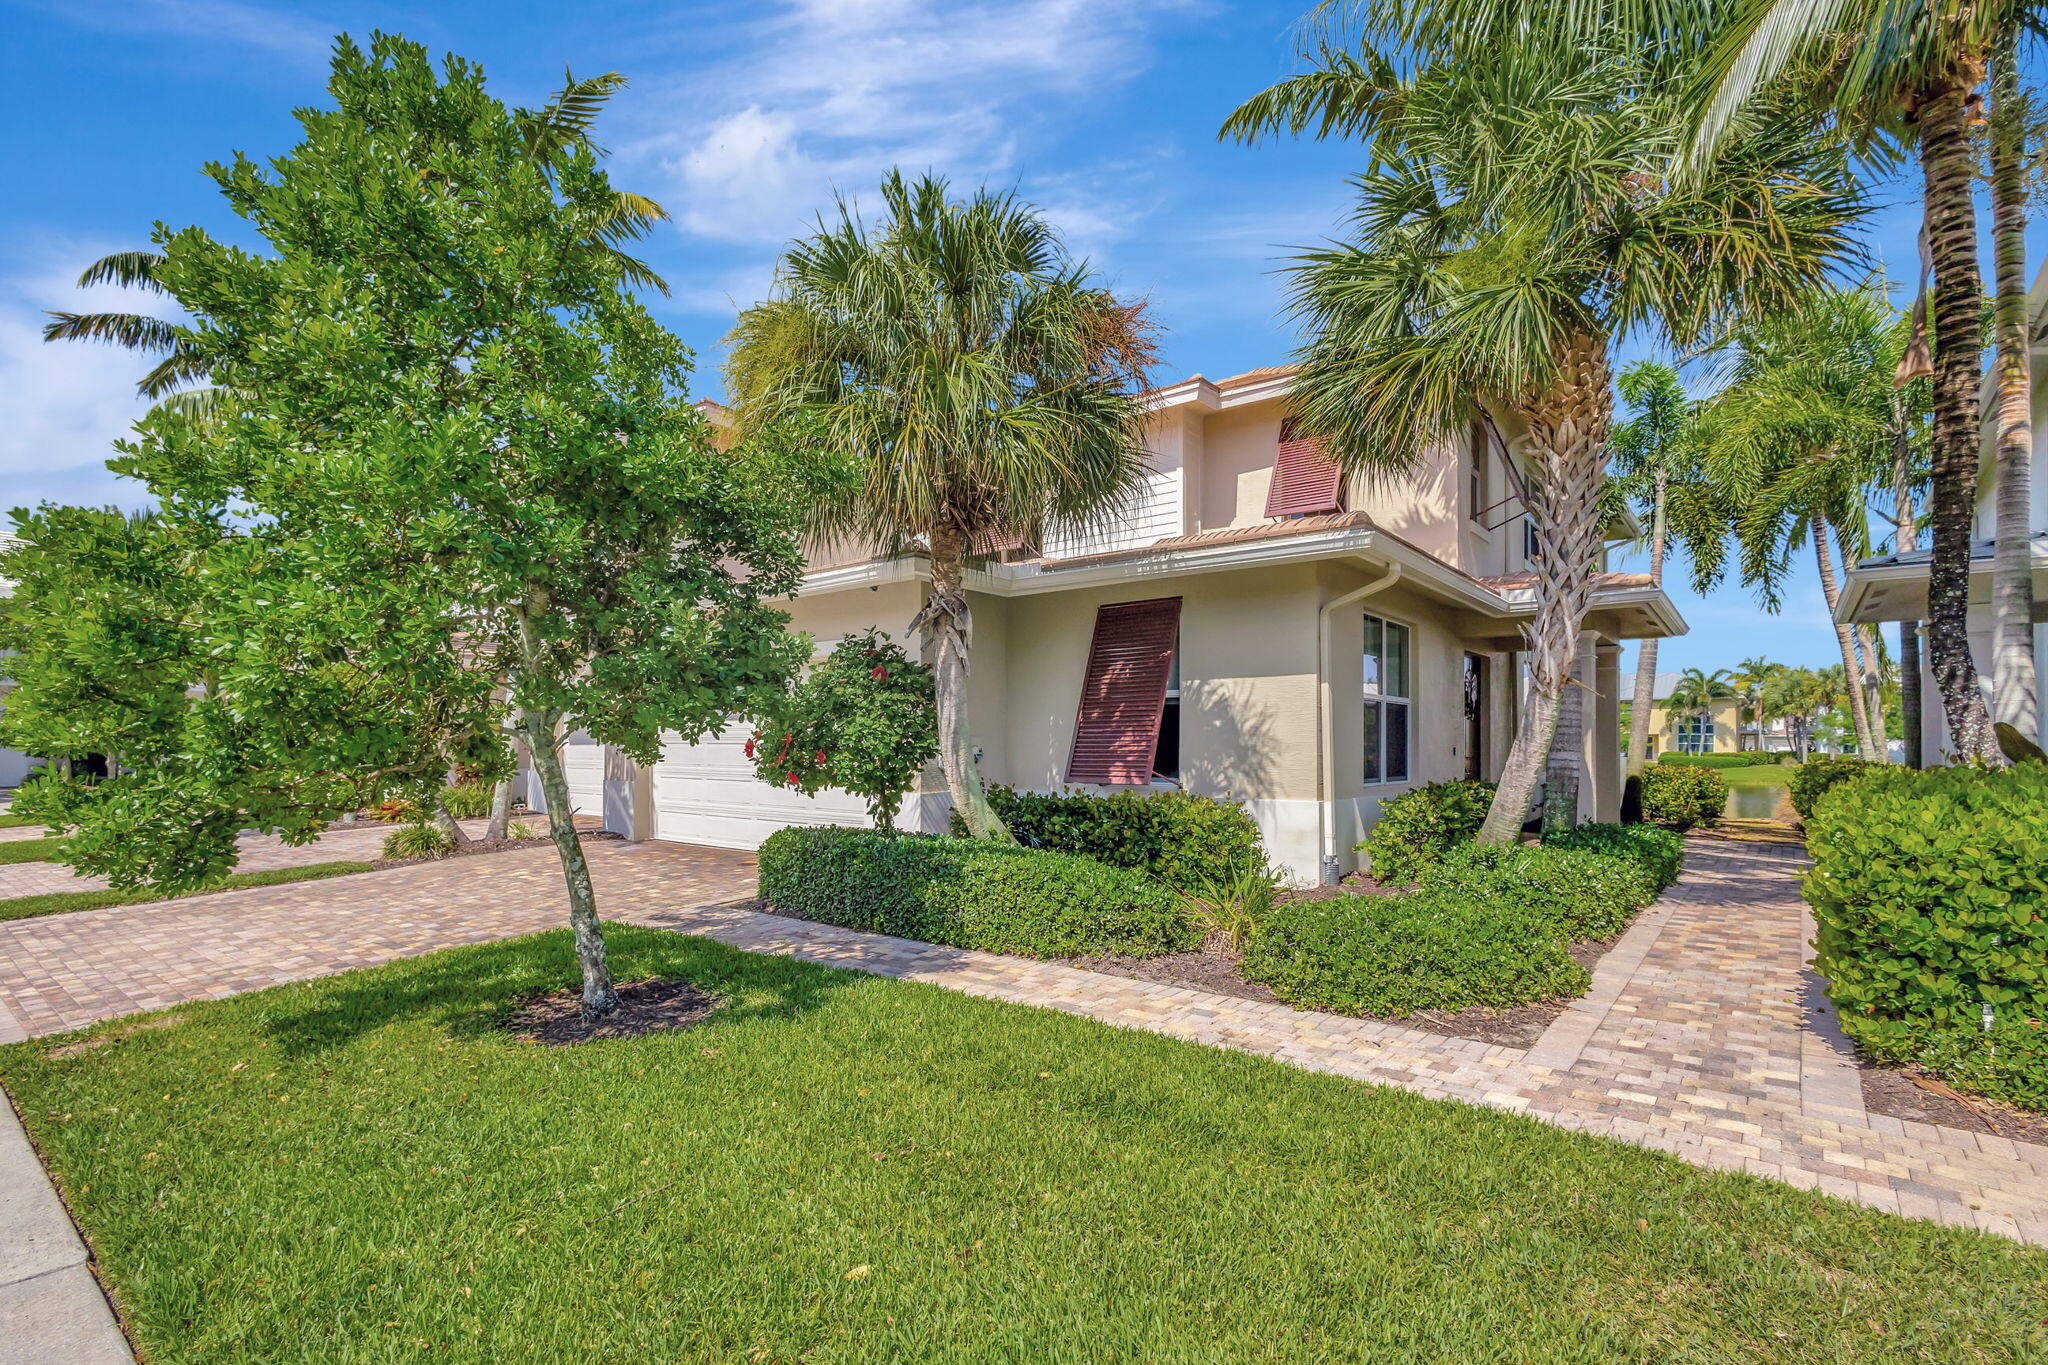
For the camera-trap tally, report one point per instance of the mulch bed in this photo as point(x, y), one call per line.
point(1898, 1093)
point(1216, 971)
point(650, 1006)
point(474, 846)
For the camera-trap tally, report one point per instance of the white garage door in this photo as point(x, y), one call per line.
point(706, 793)
point(583, 769)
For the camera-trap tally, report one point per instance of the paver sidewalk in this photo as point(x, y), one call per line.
point(1703, 1034)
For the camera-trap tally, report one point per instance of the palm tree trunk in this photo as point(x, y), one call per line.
point(1907, 538)
point(948, 628)
point(1646, 651)
point(2013, 684)
point(599, 998)
point(1561, 773)
point(1566, 437)
point(1873, 690)
point(1948, 166)
point(1844, 637)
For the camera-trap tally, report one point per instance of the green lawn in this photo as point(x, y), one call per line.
point(1762, 775)
point(17, 822)
point(847, 1168)
point(28, 850)
point(58, 902)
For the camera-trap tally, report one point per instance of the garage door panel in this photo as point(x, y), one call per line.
point(706, 793)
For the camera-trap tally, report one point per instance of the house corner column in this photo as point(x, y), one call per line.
point(1600, 795)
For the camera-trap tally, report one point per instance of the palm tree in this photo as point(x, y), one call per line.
point(1792, 696)
point(978, 380)
point(565, 121)
point(1519, 216)
point(1654, 456)
point(1696, 692)
point(2013, 684)
point(1750, 678)
point(1798, 439)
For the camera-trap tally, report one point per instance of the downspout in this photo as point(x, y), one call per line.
point(1326, 721)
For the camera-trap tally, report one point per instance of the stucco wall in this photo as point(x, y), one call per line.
point(1727, 739)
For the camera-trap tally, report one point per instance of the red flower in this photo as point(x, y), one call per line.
point(750, 748)
point(880, 672)
point(792, 778)
point(821, 758)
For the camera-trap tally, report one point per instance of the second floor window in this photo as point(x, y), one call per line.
point(1532, 548)
point(1388, 723)
point(1476, 475)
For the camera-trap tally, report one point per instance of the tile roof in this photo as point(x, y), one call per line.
point(1229, 535)
point(1508, 582)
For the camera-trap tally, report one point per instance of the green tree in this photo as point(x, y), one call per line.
point(459, 452)
point(1654, 463)
point(1749, 679)
point(1697, 690)
point(861, 720)
point(980, 383)
point(1799, 439)
point(1522, 213)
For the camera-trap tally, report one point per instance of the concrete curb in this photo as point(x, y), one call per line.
point(51, 1309)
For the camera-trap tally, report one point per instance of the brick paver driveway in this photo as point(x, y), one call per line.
point(1702, 1035)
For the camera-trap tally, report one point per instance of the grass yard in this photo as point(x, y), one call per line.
point(29, 850)
point(17, 822)
point(59, 902)
point(847, 1168)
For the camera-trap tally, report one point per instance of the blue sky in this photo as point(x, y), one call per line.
point(742, 118)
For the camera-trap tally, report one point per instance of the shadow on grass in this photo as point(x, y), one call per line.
point(468, 993)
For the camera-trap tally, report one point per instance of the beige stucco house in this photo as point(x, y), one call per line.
point(1717, 730)
point(1308, 645)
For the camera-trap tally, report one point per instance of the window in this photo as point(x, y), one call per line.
point(1532, 548)
point(1131, 663)
point(1387, 722)
point(1695, 735)
point(1476, 485)
point(1166, 753)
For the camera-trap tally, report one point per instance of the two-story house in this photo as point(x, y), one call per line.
point(1257, 628)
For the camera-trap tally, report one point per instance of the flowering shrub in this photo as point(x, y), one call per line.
point(862, 721)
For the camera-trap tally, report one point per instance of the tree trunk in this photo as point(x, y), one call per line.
point(446, 823)
point(1948, 166)
point(1566, 439)
point(1852, 673)
point(501, 810)
point(1646, 650)
point(598, 996)
point(1873, 690)
point(2013, 684)
point(1567, 751)
point(948, 628)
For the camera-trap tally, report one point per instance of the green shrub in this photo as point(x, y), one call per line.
point(467, 800)
point(1659, 852)
point(2007, 1062)
point(1393, 955)
point(1754, 758)
point(1930, 890)
point(1419, 826)
point(1230, 909)
point(1182, 839)
point(1682, 797)
point(971, 893)
point(1584, 893)
point(1822, 774)
point(416, 841)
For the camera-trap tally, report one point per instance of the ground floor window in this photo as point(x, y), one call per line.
point(1387, 702)
point(1695, 735)
point(1166, 753)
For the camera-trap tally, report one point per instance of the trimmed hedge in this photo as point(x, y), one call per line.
point(1753, 758)
point(1182, 839)
point(1420, 826)
point(1659, 852)
point(1816, 777)
point(971, 893)
point(1393, 955)
point(1930, 890)
point(1584, 893)
point(1682, 797)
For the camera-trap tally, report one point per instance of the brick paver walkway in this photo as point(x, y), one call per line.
point(1702, 1036)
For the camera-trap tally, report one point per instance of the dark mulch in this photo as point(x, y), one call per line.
point(1216, 971)
point(1897, 1092)
point(650, 1006)
point(474, 846)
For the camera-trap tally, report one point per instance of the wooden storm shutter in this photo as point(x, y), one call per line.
point(1304, 479)
point(1123, 693)
point(994, 543)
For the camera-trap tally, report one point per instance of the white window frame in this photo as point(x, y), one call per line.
point(1386, 701)
point(1694, 735)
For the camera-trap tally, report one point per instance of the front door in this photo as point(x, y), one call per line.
point(1475, 717)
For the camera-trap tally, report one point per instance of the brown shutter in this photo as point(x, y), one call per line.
point(1304, 479)
point(994, 543)
point(1123, 693)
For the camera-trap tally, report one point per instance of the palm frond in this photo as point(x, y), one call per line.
point(568, 118)
point(130, 330)
point(133, 269)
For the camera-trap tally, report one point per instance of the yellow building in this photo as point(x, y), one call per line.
point(1717, 731)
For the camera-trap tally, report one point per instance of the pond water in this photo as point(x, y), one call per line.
point(1754, 803)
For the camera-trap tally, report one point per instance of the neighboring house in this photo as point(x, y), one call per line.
point(1255, 628)
point(1894, 587)
point(1714, 731)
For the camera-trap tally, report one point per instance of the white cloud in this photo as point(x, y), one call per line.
point(68, 402)
point(823, 96)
